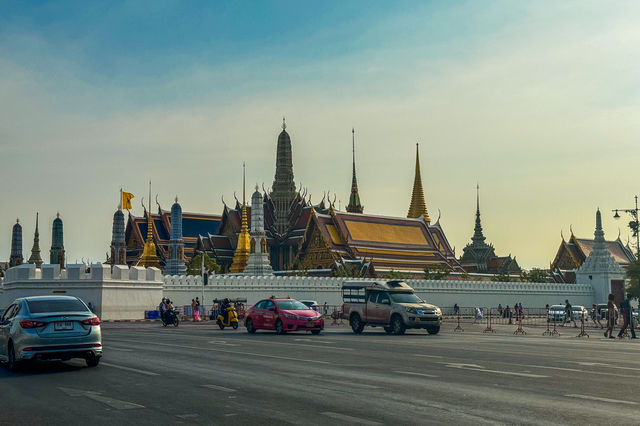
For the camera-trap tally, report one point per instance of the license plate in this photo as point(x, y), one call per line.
point(309, 323)
point(63, 325)
point(420, 312)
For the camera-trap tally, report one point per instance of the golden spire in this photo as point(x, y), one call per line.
point(241, 256)
point(149, 257)
point(418, 207)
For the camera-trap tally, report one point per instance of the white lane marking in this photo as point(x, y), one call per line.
point(475, 367)
point(267, 342)
point(573, 370)
point(221, 388)
point(600, 364)
point(222, 342)
point(135, 370)
point(415, 374)
point(96, 396)
point(428, 356)
point(320, 380)
point(349, 419)
point(113, 348)
point(309, 339)
point(597, 398)
point(591, 364)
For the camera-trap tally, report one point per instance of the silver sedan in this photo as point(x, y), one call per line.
point(49, 327)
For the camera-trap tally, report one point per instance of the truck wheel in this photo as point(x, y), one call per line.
point(356, 323)
point(388, 329)
point(397, 325)
point(433, 330)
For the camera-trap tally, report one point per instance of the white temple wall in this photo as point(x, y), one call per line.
point(328, 289)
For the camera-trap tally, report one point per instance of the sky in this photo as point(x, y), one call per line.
point(537, 102)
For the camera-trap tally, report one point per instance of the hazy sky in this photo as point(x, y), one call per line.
point(537, 101)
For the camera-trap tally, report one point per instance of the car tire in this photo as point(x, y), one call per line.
point(316, 332)
point(398, 325)
point(250, 328)
point(356, 323)
point(92, 360)
point(433, 330)
point(12, 363)
point(388, 329)
point(280, 327)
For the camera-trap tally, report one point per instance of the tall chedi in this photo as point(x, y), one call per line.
point(258, 263)
point(118, 244)
point(56, 254)
point(149, 256)
point(283, 189)
point(418, 207)
point(35, 250)
point(175, 264)
point(241, 256)
point(354, 199)
point(16, 245)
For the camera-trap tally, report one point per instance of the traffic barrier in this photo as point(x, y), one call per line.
point(582, 332)
point(553, 332)
point(489, 329)
point(458, 328)
point(519, 330)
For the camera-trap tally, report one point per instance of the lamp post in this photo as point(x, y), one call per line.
point(633, 225)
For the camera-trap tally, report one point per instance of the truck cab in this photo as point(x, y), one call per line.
point(392, 305)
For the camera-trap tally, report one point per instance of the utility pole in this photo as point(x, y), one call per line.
point(633, 225)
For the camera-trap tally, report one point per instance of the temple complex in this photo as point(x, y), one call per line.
point(572, 254)
point(56, 254)
point(16, 258)
point(35, 249)
point(480, 257)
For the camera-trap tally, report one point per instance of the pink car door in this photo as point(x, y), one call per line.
point(269, 317)
point(257, 316)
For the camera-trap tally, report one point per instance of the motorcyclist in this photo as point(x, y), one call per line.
point(162, 309)
point(226, 303)
point(168, 310)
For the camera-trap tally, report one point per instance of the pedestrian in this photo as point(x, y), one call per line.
point(568, 314)
point(325, 308)
point(611, 316)
point(90, 306)
point(596, 316)
point(194, 310)
point(500, 309)
point(200, 311)
point(214, 309)
point(478, 316)
point(507, 311)
point(456, 309)
point(625, 309)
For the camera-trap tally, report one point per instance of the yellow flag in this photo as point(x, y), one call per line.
point(126, 200)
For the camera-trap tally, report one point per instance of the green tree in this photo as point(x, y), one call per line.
point(633, 274)
point(347, 271)
point(436, 272)
point(195, 266)
point(501, 278)
point(393, 275)
point(535, 275)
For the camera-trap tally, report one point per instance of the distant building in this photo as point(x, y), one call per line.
point(480, 257)
point(16, 245)
point(56, 254)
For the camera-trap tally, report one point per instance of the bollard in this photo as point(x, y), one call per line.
point(519, 330)
point(458, 328)
point(582, 332)
point(553, 332)
point(489, 329)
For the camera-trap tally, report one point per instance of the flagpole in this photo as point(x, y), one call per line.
point(202, 281)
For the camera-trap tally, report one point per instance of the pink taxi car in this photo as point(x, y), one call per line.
point(282, 315)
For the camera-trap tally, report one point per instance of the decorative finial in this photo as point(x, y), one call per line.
point(243, 180)
point(58, 215)
point(17, 220)
point(284, 124)
point(176, 198)
point(257, 187)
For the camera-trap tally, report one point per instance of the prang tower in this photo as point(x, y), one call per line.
point(175, 264)
point(56, 254)
point(258, 263)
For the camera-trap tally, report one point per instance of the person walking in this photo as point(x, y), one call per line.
point(500, 309)
point(194, 311)
point(456, 309)
point(214, 309)
point(596, 316)
point(568, 314)
point(611, 317)
point(625, 309)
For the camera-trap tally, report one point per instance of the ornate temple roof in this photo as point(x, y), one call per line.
point(418, 206)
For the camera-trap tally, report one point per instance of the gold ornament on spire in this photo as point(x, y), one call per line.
point(418, 207)
point(241, 256)
point(149, 257)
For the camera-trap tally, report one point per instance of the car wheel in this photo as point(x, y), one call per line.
point(388, 329)
point(316, 332)
point(92, 360)
point(433, 330)
point(250, 328)
point(12, 363)
point(356, 323)
point(280, 327)
point(397, 325)
point(220, 325)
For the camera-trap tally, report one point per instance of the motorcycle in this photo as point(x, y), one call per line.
point(230, 321)
point(170, 317)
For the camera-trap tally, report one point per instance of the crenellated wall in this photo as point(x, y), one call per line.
point(181, 289)
point(117, 292)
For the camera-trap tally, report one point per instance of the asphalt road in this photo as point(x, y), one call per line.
point(197, 374)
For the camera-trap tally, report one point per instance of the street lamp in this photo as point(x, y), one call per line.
point(633, 225)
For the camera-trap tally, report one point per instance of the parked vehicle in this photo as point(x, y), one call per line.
point(557, 313)
point(283, 315)
point(311, 303)
point(392, 305)
point(170, 317)
point(49, 327)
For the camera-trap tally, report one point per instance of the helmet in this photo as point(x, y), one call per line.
point(226, 300)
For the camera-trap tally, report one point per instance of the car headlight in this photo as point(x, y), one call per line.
point(438, 311)
point(412, 310)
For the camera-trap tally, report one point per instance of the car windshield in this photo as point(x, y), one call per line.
point(61, 305)
point(557, 308)
point(405, 298)
point(578, 308)
point(291, 305)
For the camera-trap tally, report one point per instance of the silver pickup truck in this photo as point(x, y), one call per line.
point(392, 305)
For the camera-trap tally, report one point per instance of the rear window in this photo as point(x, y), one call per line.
point(67, 305)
